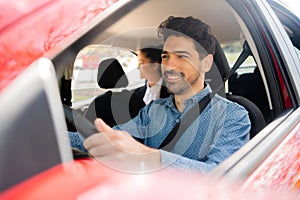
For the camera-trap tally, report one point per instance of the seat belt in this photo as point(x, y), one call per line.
point(242, 57)
point(172, 138)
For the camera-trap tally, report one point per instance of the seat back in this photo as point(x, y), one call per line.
point(111, 105)
point(251, 86)
point(256, 117)
point(222, 68)
point(219, 71)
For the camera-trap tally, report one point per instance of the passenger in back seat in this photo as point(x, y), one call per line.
point(149, 64)
point(119, 107)
point(219, 131)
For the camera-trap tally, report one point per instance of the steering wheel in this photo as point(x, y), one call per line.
point(77, 122)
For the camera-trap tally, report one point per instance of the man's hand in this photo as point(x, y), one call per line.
point(119, 150)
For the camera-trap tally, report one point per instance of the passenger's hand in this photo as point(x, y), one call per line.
point(119, 150)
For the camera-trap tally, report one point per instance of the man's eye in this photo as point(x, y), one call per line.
point(182, 56)
point(164, 56)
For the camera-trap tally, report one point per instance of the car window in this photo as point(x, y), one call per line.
point(232, 51)
point(85, 68)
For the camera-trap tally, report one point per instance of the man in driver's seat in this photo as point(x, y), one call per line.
point(220, 130)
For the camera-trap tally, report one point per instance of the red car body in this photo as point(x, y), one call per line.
point(88, 179)
point(31, 29)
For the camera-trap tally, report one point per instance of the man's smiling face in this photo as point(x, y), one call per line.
point(181, 65)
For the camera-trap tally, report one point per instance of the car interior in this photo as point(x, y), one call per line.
point(131, 32)
point(110, 105)
point(124, 27)
point(131, 25)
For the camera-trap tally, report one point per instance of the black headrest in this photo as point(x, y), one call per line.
point(219, 71)
point(221, 61)
point(111, 74)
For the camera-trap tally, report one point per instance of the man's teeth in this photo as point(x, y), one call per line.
point(173, 77)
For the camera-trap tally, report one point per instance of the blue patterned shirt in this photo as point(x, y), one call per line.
point(221, 129)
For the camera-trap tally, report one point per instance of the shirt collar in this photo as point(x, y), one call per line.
point(192, 100)
point(155, 89)
point(153, 92)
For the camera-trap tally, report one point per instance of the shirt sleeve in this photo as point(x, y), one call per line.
point(234, 134)
point(177, 161)
point(76, 140)
point(136, 126)
point(230, 138)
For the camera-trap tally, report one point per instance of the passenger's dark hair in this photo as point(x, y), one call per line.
point(199, 31)
point(153, 53)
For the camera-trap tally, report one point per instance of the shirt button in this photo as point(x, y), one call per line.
point(177, 120)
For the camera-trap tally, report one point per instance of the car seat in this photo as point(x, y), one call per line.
point(256, 116)
point(112, 106)
point(250, 86)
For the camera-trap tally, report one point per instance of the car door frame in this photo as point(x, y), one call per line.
point(273, 49)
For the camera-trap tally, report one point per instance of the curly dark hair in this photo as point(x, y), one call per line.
point(196, 29)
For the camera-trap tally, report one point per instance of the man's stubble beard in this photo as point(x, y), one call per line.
point(183, 85)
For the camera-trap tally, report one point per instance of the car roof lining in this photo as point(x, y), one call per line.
point(205, 11)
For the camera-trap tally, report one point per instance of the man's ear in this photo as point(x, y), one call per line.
point(208, 61)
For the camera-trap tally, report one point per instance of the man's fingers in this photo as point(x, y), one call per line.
point(102, 126)
point(94, 140)
point(100, 151)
